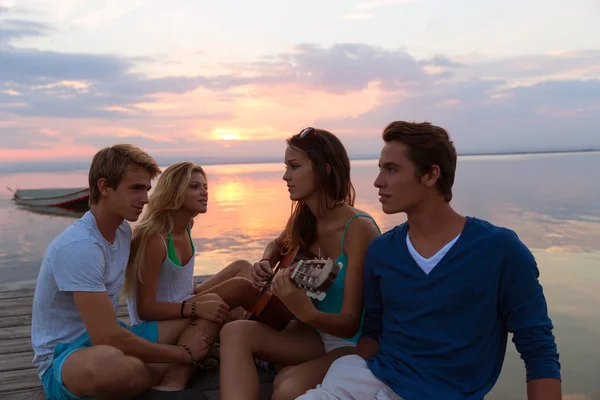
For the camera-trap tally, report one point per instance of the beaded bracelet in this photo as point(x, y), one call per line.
point(193, 318)
point(190, 353)
point(266, 259)
point(181, 312)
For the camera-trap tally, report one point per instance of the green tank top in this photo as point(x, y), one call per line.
point(332, 303)
point(172, 254)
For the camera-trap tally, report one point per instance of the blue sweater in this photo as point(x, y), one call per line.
point(444, 335)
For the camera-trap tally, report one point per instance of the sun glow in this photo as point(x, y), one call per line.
point(225, 134)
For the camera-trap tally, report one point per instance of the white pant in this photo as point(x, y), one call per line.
point(331, 342)
point(349, 378)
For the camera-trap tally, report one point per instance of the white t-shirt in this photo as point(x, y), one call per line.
point(78, 259)
point(427, 264)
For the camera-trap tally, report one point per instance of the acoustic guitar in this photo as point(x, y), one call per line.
point(314, 276)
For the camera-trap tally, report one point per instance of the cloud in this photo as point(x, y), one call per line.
point(367, 5)
point(545, 116)
point(16, 137)
point(84, 100)
point(358, 16)
point(340, 68)
point(11, 29)
point(579, 64)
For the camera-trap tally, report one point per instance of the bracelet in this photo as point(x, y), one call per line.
point(193, 318)
point(267, 259)
point(181, 312)
point(190, 353)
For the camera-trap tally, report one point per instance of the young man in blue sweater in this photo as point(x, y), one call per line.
point(442, 291)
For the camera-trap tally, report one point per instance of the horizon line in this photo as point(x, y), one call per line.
point(77, 164)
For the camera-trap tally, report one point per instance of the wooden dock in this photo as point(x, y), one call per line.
point(18, 377)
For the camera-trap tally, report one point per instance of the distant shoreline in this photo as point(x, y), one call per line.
point(83, 165)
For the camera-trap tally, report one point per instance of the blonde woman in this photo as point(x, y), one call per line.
point(159, 280)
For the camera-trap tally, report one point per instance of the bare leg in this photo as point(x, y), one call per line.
point(106, 372)
point(237, 269)
point(236, 292)
point(293, 381)
point(241, 341)
point(181, 332)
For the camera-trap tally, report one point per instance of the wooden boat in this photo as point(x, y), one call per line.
point(53, 197)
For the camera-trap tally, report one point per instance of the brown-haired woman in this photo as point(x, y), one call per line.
point(324, 224)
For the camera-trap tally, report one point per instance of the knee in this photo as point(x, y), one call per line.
point(231, 332)
point(236, 333)
point(243, 267)
point(211, 296)
point(286, 388)
point(112, 368)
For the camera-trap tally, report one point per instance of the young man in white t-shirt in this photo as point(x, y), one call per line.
point(81, 349)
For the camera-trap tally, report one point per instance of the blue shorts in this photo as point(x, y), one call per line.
point(52, 378)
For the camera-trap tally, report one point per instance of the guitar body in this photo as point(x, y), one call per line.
point(268, 309)
point(315, 276)
point(271, 311)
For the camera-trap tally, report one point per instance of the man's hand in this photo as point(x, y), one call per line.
point(261, 271)
point(294, 298)
point(212, 310)
point(544, 389)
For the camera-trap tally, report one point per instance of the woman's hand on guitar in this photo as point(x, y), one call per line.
point(213, 310)
point(261, 272)
point(294, 298)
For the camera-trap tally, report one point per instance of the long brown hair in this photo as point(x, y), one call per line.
point(323, 149)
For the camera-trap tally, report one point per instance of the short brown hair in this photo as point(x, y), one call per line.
point(428, 145)
point(111, 164)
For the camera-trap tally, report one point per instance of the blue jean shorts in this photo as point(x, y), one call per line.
point(52, 378)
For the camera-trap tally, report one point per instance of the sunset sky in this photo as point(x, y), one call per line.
point(191, 79)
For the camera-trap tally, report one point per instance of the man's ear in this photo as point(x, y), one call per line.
point(102, 186)
point(430, 177)
point(328, 166)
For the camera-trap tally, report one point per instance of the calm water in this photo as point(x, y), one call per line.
point(551, 201)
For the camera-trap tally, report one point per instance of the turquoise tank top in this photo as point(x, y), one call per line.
point(332, 303)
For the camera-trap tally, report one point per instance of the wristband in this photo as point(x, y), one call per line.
point(181, 312)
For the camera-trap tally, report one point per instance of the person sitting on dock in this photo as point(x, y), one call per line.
point(81, 349)
point(442, 291)
point(325, 224)
point(159, 281)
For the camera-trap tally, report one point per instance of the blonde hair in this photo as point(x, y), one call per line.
point(111, 164)
point(159, 218)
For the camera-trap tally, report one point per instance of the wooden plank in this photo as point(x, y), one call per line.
point(11, 346)
point(15, 320)
point(15, 332)
point(22, 285)
point(27, 394)
point(21, 310)
point(16, 294)
point(11, 381)
point(17, 361)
